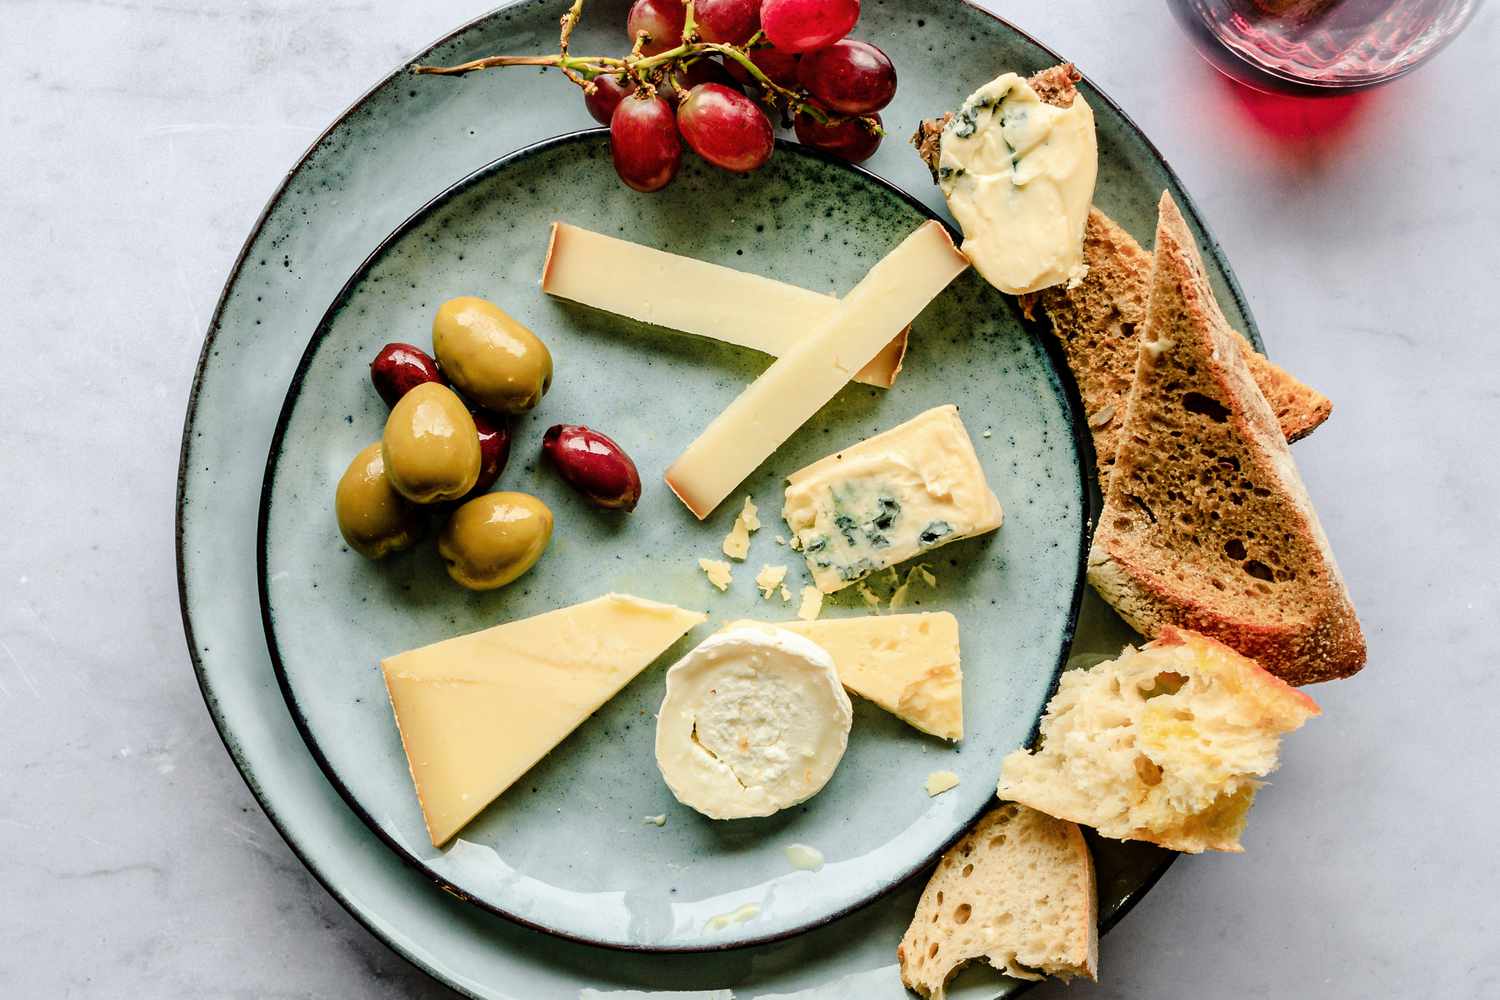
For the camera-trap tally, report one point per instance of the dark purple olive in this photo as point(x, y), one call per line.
point(400, 368)
point(494, 450)
point(594, 465)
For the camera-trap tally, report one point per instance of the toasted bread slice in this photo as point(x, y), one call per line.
point(1164, 744)
point(1097, 320)
point(1206, 524)
point(1018, 891)
point(1098, 323)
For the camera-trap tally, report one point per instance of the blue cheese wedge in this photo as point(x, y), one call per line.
point(896, 495)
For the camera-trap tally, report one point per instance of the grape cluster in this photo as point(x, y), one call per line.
point(829, 88)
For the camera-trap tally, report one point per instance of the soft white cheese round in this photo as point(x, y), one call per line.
point(754, 720)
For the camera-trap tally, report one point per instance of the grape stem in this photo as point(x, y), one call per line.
point(646, 71)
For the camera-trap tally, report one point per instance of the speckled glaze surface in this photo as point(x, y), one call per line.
point(387, 156)
point(566, 848)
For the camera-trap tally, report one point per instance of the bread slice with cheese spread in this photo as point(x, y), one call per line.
point(1098, 320)
point(1206, 524)
point(1018, 891)
point(1166, 744)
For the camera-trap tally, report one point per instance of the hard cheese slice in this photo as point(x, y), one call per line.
point(478, 711)
point(888, 498)
point(694, 296)
point(906, 664)
point(801, 381)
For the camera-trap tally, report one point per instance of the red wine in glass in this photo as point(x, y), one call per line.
point(1310, 47)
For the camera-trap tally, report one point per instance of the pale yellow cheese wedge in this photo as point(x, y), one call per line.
point(478, 711)
point(799, 383)
point(694, 296)
point(906, 664)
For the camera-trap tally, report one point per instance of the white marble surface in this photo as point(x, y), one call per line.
point(138, 141)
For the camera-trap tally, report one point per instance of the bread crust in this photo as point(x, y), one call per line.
point(1206, 523)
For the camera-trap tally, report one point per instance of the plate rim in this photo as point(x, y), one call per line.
point(201, 673)
point(1083, 455)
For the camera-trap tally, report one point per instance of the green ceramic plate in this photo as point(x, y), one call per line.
point(566, 849)
point(374, 166)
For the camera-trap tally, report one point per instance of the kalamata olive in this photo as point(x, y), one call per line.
point(490, 358)
point(430, 445)
point(594, 465)
point(493, 539)
point(373, 518)
point(494, 450)
point(399, 368)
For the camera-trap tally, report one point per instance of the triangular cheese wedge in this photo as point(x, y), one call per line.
point(478, 711)
point(906, 664)
point(1206, 523)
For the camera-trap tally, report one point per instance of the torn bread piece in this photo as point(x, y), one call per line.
point(1206, 523)
point(1017, 891)
point(1166, 743)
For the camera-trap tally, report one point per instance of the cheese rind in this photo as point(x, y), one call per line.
point(801, 381)
point(694, 296)
point(890, 497)
point(906, 664)
point(754, 720)
point(478, 711)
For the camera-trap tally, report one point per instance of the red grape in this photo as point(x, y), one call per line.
point(850, 77)
point(605, 96)
point(850, 138)
point(701, 71)
point(729, 22)
point(661, 20)
point(804, 25)
point(644, 143)
point(726, 128)
point(780, 66)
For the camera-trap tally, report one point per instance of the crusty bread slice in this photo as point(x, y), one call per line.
point(1018, 891)
point(1165, 744)
point(1098, 323)
point(1206, 524)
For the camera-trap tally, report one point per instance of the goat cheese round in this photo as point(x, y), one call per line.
point(754, 720)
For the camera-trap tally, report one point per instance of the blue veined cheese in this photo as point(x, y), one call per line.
point(1018, 175)
point(890, 497)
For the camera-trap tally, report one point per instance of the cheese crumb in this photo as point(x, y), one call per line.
point(786, 595)
point(737, 542)
point(901, 596)
point(768, 579)
point(939, 782)
point(654, 820)
point(987, 433)
point(804, 857)
point(717, 571)
point(796, 543)
point(812, 604)
point(780, 540)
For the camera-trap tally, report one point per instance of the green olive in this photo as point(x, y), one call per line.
point(494, 538)
point(431, 445)
point(492, 359)
point(374, 519)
